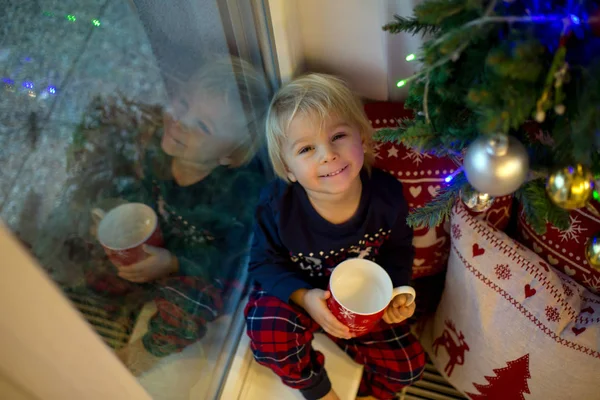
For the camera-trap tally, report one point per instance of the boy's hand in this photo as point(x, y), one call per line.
point(397, 311)
point(160, 263)
point(314, 301)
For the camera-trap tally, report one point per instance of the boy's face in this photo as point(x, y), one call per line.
point(202, 131)
point(324, 158)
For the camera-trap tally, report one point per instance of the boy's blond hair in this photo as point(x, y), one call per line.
point(236, 80)
point(314, 95)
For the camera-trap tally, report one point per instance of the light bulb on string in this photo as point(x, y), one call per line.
point(9, 84)
point(96, 22)
point(449, 178)
point(410, 57)
point(401, 83)
point(575, 19)
point(71, 18)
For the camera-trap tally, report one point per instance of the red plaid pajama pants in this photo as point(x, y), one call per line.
point(185, 305)
point(281, 335)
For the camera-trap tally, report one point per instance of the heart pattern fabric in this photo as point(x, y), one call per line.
point(506, 316)
point(422, 176)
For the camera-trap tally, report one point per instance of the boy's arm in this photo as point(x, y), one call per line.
point(397, 253)
point(269, 264)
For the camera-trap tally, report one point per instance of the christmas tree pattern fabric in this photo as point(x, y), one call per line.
point(509, 382)
point(509, 325)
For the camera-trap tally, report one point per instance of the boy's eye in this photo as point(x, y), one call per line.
point(305, 149)
point(338, 136)
point(203, 126)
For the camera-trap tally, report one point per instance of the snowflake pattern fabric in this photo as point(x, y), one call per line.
point(564, 250)
point(574, 230)
point(503, 271)
point(415, 156)
point(515, 328)
point(552, 314)
point(567, 290)
point(456, 233)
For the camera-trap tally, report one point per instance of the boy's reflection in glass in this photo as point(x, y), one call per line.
point(205, 211)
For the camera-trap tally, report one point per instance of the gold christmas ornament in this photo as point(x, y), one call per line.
point(592, 251)
point(496, 165)
point(474, 200)
point(570, 187)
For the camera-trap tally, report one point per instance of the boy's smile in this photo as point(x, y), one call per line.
point(324, 157)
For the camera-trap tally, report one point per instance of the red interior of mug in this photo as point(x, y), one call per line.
point(127, 226)
point(361, 286)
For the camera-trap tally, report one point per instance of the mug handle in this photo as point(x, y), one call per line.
point(409, 290)
point(97, 215)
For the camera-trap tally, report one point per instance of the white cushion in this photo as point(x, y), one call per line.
point(509, 326)
point(248, 380)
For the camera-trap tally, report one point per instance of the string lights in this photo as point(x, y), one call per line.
point(568, 20)
point(9, 84)
point(72, 18)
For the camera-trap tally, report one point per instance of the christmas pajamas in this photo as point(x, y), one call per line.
point(281, 335)
point(184, 307)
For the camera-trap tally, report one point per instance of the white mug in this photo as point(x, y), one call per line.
point(125, 229)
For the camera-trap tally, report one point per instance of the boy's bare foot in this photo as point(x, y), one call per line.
point(330, 396)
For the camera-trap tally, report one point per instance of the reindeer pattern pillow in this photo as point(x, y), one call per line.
point(509, 326)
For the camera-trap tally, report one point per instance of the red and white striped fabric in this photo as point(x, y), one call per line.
point(509, 326)
point(422, 176)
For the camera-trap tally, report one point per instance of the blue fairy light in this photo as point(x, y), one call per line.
point(448, 178)
point(28, 85)
point(575, 19)
point(8, 81)
point(51, 89)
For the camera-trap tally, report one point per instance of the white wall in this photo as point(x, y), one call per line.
point(398, 47)
point(288, 40)
point(344, 37)
point(47, 350)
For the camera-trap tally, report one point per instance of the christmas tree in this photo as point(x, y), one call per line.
point(510, 91)
point(509, 383)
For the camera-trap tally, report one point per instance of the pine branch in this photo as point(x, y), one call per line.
point(539, 209)
point(485, 71)
point(388, 135)
point(435, 11)
point(410, 25)
point(438, 209)
point(415, 134)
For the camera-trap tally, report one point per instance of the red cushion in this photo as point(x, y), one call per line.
point(422, 175)
point(565, 250)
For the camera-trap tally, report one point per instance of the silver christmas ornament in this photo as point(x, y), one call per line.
point(496, 165)
point(474, 200)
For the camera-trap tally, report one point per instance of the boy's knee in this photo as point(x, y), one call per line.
point(406, 372)
point(269, 317)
